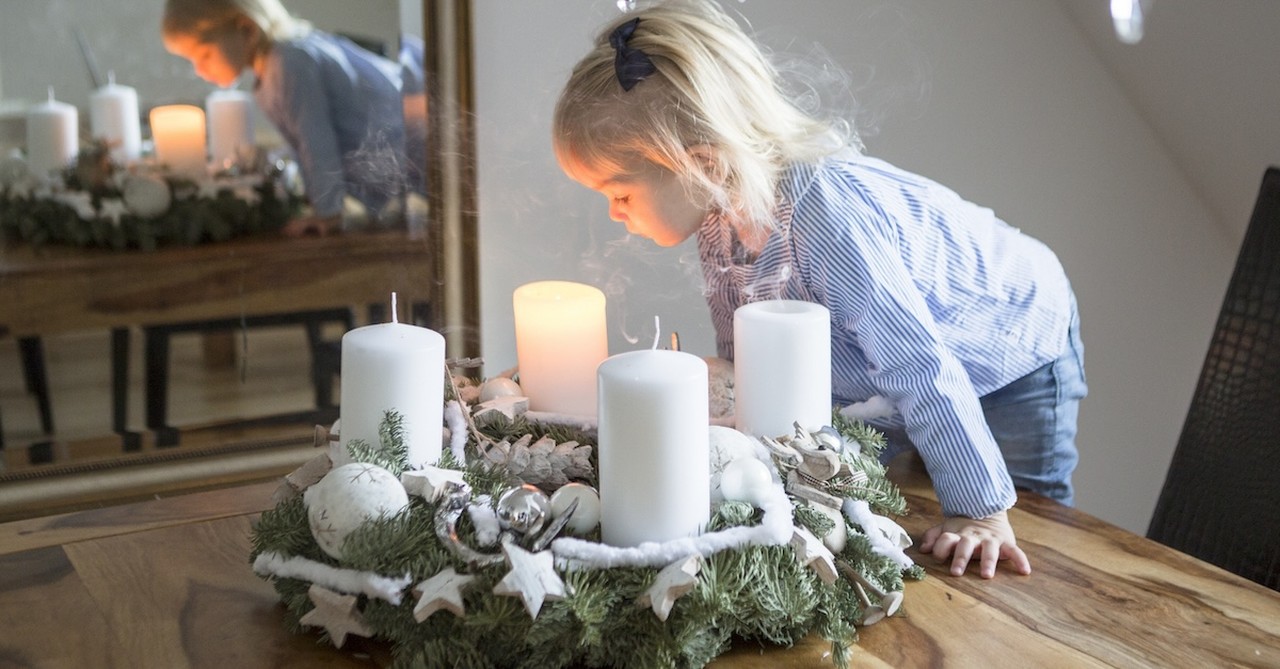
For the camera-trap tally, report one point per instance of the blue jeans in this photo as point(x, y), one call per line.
point(1033, 420)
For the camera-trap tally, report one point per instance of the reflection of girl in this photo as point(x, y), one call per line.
point(338, 105)
point(967, 326)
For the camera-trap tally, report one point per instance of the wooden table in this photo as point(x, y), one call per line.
point(167, 583)
point(59, 289)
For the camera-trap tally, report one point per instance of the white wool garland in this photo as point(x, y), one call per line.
point(859, 513)
point(876, 406)
point(485, 520)
point(348, 581)
point(457, 422)
point(775, 529)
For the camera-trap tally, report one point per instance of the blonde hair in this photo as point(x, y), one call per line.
point(713, 87)
point(204, 18)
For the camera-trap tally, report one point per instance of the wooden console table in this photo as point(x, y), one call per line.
point(167, 583)
point(57, 289)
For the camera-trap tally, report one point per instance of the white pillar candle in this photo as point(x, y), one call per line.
point(113, 117)
point(654, 460)
point(393, 367)
point(560, 340)
point(53, 136)
point(178, 131)
point(230, 124)
point(782, 367)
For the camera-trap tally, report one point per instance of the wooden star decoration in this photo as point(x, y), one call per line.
point(442, 591)
point(811, 553)
point(673, 582)
point(113, 208)
point(532, 578)
point(429, 482)
point(336, 613)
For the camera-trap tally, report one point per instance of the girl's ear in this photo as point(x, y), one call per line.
point(707, 158)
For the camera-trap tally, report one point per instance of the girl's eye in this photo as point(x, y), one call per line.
point(622, 200)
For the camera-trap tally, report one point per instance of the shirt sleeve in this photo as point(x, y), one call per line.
point(845, 249)
point(303, 114)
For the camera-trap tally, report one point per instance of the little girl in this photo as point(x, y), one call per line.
point(965, 325)
point(339, 106)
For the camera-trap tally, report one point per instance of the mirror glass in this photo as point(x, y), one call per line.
point(117, 354)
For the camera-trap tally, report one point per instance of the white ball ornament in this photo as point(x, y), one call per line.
point(726, 445)
point(346, 498)
point(12, 170)
point(586, 516)
point(146, 196)
point(499, 386)
point(746, 480)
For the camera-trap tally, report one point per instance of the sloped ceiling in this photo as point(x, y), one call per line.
point(1206, 77)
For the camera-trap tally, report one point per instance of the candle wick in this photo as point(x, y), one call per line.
point(394, 316)
point(657, 332)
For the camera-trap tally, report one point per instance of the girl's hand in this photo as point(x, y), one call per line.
point(311, 226)
point(989, 539)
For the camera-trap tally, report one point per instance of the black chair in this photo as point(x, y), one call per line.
point(1221, 497)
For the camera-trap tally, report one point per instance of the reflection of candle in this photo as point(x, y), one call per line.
point(53, 136)
point(560, 340)
point(393, 367)
point(113, 116)
point(230, 124)
point(178, 131)
point(655, 472)
point(782, 367)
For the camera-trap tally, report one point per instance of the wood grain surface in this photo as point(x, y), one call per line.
point(167, 583)
point(49, 290)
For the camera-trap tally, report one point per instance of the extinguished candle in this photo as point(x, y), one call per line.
point(179, 134)
point(560, 340)
point(230, 120)
point(53, 136)
point(782, 367)
point(654, 459)
point(113, 117)
point(393, 367)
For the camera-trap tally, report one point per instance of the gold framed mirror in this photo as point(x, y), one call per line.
point(224, 420)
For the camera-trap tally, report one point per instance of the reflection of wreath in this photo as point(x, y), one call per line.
point(466, 570)
point(96, 203)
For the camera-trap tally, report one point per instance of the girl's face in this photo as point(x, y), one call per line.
point(654, 203)
point(218, 59)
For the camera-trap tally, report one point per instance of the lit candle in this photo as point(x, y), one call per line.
point(178, 131)
point(53, 136)
point(560, 340)
point(393, 367)
point(782, 367)
point(654, 460)
point(113, 117)
point(230, 124)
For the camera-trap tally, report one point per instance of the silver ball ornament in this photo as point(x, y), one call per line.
point(525, 509)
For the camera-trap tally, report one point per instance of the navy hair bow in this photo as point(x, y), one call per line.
point(631, 65)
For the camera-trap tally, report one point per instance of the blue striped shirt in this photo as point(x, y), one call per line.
point(339, 106)
point(934, 302)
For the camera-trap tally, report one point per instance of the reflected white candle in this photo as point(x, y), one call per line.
point(782, 367)
point(393, 367)
point(113, 116)
point(53, 136)
point(560, 340)
point(230, 124)
point(178, 131)
point(654, 460)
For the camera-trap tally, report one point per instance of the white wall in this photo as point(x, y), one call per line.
point(1003, 101)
